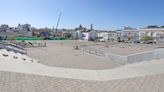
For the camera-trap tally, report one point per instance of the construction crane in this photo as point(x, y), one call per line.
point(58, 21)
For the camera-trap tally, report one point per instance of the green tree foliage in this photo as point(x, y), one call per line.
point(112, 39)
point(162, 26)
point(147, 38)
point(11, 38)
point(1, 38)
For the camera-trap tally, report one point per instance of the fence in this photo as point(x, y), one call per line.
point(32, 38)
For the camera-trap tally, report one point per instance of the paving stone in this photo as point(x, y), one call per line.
point(17, 82)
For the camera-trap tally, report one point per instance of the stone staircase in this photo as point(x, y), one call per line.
point(12, 47)
point(15, 56)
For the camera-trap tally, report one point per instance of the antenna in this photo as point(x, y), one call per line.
point(58, 21)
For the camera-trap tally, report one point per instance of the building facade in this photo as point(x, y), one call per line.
point(3, 28)
point(24, 28)
point(130, 35)
point(156, 33)
point(106, 36)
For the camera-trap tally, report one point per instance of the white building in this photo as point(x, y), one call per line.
point(106, 36)
point(93, 35)
point(12, 30)
point(3, 28)
point(79, 34)
point(87, 35)
point(24, 28)
point(137, 34)
point(156, 33)
point(129, 35)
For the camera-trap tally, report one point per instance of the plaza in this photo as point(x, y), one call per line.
point(60, 67)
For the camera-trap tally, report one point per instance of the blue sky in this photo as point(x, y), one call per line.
point(103, 14)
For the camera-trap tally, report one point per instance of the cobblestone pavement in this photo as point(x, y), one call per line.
point(17, 82)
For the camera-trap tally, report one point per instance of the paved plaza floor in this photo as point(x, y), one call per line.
point(122, 48)
point(18, 82)
point(64, 55)
point(63, 69)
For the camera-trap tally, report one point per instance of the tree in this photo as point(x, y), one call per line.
point(12, 38)
point(112, 39)
point(1, 38)
point(162, 26)
point(146, 38)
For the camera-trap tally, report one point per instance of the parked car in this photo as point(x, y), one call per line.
point(136, 41)
point(151, 42)
point(148, 42)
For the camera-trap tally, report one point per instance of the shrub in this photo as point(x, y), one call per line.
point(11, 38)
point(1, 38)
point(146, 38)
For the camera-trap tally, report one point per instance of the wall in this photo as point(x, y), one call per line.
point(138, 57)
point(116, 58)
